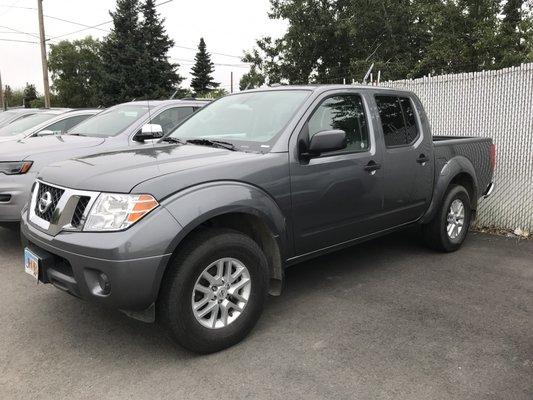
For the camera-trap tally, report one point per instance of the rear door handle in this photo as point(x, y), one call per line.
point(422, 159)
point(372, 167)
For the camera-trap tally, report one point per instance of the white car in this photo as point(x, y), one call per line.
point(49, 122)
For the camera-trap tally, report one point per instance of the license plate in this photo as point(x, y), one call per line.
point(31, 264)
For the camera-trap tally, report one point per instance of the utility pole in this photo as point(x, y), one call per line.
point(2, 102)
point(231, 80)
point(44, 61)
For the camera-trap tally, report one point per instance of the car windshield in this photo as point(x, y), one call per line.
point(110, 122)
point(21, 124)
point(6, 116)
point(246, 120)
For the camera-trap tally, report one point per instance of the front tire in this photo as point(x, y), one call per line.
point(449, 227)
point(214, 291)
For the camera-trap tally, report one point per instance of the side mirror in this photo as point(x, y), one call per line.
point(325, 141)
point(149, 132)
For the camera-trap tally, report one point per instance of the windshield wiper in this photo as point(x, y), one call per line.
point(171, 139)
point(76, 134)
point(213, 143)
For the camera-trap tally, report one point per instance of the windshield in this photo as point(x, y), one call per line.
point(110, 122)
point(6, 116)
point(20, 125)
point(246, 120)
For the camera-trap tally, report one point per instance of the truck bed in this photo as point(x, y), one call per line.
point(475, 149)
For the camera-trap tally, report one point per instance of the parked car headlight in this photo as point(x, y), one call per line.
point(15, 167)
point(115, 212)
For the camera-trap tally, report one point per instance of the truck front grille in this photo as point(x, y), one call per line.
point(51, 193)
point(77, 218)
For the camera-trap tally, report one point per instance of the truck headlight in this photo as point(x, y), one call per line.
point(15, 167)
point(115, 212)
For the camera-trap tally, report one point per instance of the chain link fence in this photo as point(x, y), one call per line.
point(496, 104)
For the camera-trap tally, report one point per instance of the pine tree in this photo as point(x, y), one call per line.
point(202, 81)
point(162, 79)
point(512, 37)
point(122, 56)
point(30, 94)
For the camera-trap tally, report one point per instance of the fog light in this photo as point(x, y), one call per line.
point(103, 281)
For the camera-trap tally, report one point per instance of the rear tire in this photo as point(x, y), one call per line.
point(194, 279)
point(449, 227)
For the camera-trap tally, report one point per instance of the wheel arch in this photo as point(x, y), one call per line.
point(458, 170)
point(238, 206)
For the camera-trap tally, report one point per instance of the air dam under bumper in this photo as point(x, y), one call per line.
point(130, 284)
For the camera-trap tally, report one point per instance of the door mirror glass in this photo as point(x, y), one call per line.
point(149, 132)
point(322, 142)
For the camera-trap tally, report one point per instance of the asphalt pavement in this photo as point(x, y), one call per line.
point(388, 319)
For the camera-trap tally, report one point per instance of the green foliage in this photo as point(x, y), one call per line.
point(132, 60)
point(77, 73)
point(212, 94)
point(13, 98)
point(161, 77)
point(516, 32)
point(29, 94)
point(202, 81)
point(328, 40)
point(122, 52)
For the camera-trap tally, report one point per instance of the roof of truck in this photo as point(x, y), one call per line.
point(322, 87)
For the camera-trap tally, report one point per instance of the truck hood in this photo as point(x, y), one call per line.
point(31, 146)
point(123, 169)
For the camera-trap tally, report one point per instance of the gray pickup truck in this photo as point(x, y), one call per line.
point(195, 230)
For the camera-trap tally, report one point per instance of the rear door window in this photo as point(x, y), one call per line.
point(398, 120)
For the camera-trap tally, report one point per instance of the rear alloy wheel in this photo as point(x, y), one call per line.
point(456, 219)
point(214, 290)
point(449, 227)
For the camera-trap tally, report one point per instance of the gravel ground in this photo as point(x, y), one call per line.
point(388, 319)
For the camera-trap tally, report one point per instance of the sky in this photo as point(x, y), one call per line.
point(228, 26)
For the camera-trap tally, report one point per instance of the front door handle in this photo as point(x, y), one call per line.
point(422, 159)
point(372, 167)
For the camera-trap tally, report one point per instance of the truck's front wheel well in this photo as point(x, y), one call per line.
point(258, 230)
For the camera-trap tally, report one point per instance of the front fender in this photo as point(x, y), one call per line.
point(196, 205)
point(453, 167)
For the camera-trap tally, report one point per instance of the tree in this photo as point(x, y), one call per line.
point(251, 80)
point(122, 56)
point(30, 94)
point(77, 73)
point(161, 79)
point(330, 40)
point(513, 34)
point(202, 81)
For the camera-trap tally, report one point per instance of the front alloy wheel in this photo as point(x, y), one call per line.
point(221, 293)
point(214, 290)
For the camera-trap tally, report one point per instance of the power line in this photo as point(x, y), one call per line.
point(87, 27)
point(19, 32)
point(9, 7)
point(80, 30)
point(16, 40)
